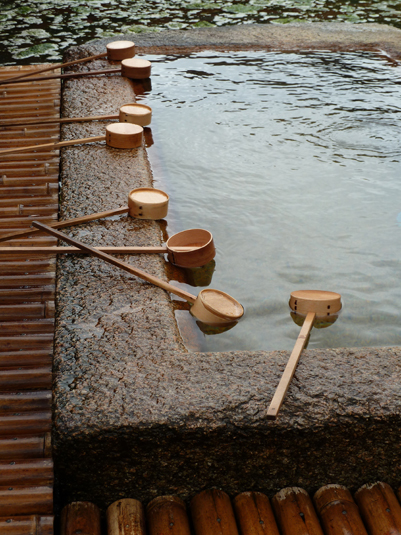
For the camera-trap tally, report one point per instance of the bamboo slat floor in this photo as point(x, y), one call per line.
point(28, 191)
point(332, 510)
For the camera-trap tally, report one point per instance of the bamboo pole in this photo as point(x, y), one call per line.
point(64, 76)
point(380, 509)
point(51, 68)
point(27, 525)
point(25, 401)
point(126, 517)
point(212, 513)
point(67, 76)
point(255, 514)
point(26, 378)
point(338, 512)
point(26, 500)
point(80, 517)
point(67, 223)
point(53, 146)
point(31, 423)
point(295, 513)
point(22, 448)
point(167, 514)
point(64, 120)
point(29, 358)
point(22, 472)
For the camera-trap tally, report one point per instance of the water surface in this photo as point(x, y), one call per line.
point(292, 161)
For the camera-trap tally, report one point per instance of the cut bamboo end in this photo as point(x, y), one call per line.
point(255, 514)
point(119, 50)
point(338, 512)
point(167, 514)
point(126, 517)
point(148, 203)
point(135, 68)
point(135, 114)
point(331, 493)
point(379, 507)
point(80, 517)
point(295, 512)
point(212, 513)
point(124, 135)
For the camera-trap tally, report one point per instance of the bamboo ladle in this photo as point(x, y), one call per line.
point(143, 203)
point(134, 113)
point(118, 136)
point(116, 51)
point(133, 68)
point(210, 306)
point(313, 305)
point(190, 248)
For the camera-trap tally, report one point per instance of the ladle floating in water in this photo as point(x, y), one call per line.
point(210, 306)
point(134, 113)
point(118, 136)
point(133, 68)
point(313, 305)
point(116, 51)
point(188, 249)
point(143, 203)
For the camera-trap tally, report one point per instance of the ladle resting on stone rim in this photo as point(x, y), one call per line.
point(312, 305)
point(116, 51)
point(212, 307)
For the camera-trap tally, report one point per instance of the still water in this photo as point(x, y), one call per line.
point(292, 161)
point(36, 31)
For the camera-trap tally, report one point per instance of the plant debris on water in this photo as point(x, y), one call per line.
point(43, 29)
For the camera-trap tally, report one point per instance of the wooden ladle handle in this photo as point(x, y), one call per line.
point(289, 371)
point(54, 250)
point(67, 223)
point(14, 79)
point(55, 120)
point(67, 76)
point(122, 265)
point(55, 145)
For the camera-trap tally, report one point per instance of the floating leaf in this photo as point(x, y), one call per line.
point(204, 24)
point(241, 8)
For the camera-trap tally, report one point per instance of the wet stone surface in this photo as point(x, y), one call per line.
point(135, 414)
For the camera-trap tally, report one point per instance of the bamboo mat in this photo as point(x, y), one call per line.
point(28, 191)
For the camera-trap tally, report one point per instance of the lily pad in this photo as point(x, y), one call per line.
point(241, 8)
point(203, 24)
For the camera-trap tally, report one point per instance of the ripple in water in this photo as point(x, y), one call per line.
point(292, 161)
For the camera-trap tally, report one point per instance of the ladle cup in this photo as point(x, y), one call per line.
point(116, 51)
point(143, 203)
point(191, 248)
point(210, 306)
point(133, 68)
point(312, 305)
point(134, 113)
point(118, 136)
